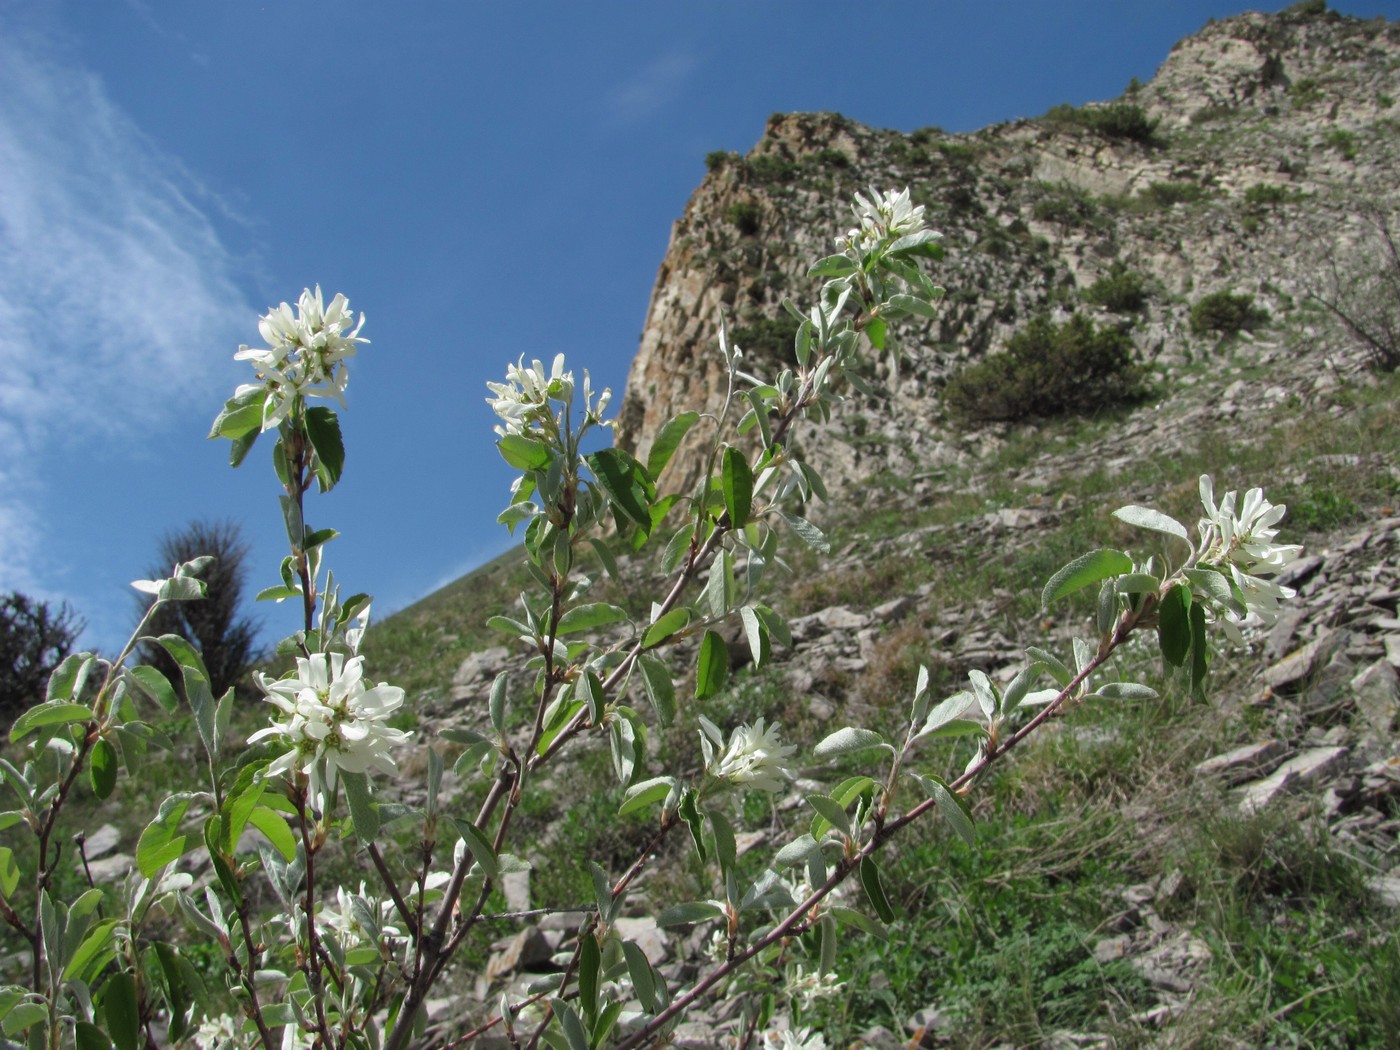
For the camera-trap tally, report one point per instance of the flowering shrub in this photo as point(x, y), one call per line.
point(327, 967)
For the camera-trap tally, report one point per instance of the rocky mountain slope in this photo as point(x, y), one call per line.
point(1259, 140)
point(1246, 165)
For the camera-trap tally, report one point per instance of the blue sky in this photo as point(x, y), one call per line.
point(482, 180)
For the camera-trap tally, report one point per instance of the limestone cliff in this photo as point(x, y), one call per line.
point(1258, 139)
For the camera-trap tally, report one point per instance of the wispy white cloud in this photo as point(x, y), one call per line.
point(116, 296)
point(650, 89)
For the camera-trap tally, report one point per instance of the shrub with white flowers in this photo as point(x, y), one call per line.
point(303, 963)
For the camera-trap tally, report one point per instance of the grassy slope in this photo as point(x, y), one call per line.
point(1000, 937)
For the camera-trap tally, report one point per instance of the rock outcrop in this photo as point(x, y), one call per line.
point(1271, 132)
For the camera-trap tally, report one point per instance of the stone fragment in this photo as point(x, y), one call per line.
point(1110, 948)
point(1386, 889)
point(111, 868)
point(649, 937)
point(1376, 691)
point(1242, 763)
point(101, 841)
point(1309, 766)
point(892, 610)
point(1289, 674)
point(528, 948)
point(479, 669)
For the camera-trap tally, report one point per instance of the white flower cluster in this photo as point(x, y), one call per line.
point(351, 919)
point(525, 395)
point(792, 1039)
point(754, 757)
point(333, 721)
point(1241, 541)
point(305, 355)
point(882, 215)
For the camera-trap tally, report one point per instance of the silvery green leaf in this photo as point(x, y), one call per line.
point(1216, 587)
point(954, 707)
point(985, 692)
point(1126, 691)
point(1052, 663)
point(1137, 583)
point(1083, 655)
point(1019, 686)
point(807, 532)
point(829, 812)
point(797, 851)
point(1084, 570)
point(847, 740)
point(1107, 611)
point(689, 912)
point(1147, 518)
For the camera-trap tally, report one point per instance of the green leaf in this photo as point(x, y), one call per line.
point(277, 594)
point(807, 532)
point(161, 842)
point(1147, 518)
point(830, 812)
point(1215, 586)
point(98, 949)
point(242, 414)
point(1137, 583)
point(87, 1036)
point(672, 622)
point(1126, 691)
point(49, 713)
point(240, 447)
point(848, 740)
point(797, 851)
point(364, 814)
point(756, 633)
point(719, 595)
point(736, 482)
point(1199, 650)
point(323, 430)
point(156, 686)
point(569, 1023)
point(102, 768)
point(912, 304)
point(588, 617)
point(524, 453)
point(639, 968)
point(24, 1016)
point(1174, 625)
point(726, 846)
point(874, 890)
point(954, 807)
point(1084, 570)
point(834, 266)
point(875, 331)
point(668, 440)
point(9, 873)
point(712, 668)
point(851, 917)
point(689, 912)
point(627, 485)
point(481, 849)
point(122, 1011)
point(63, 683)
point(590, 962)
point(640, 796)
point(1052, 663)
point(276, 830)
point(660, 690)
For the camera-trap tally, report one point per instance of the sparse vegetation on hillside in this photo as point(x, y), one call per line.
point(1050, 369)
point(1226, 313)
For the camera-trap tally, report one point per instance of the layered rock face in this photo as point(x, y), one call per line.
point(1270, 134)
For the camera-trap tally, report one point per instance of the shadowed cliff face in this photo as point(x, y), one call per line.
point(1251, 149)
